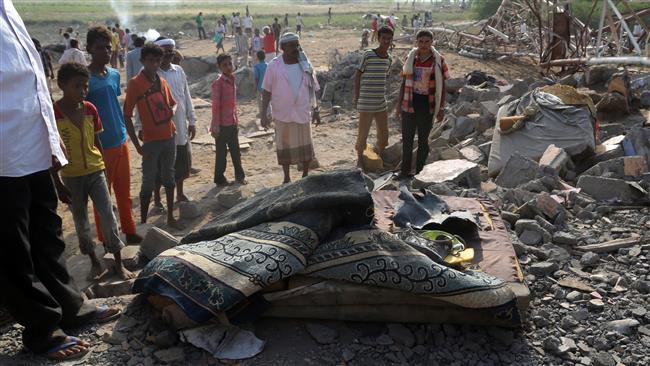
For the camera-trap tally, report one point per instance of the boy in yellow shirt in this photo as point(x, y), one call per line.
point(78, 124)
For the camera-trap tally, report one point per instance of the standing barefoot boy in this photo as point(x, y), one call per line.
point(79, 125)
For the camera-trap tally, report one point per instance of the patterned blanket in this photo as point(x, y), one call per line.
point(214, 274)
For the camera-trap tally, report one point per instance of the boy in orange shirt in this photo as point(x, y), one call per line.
point(79, 125)
point(153, 98)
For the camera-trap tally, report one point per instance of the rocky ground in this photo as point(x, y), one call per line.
point(584, 254)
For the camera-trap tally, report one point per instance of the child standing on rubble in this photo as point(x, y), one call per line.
point(224, 123)
point(79, 126)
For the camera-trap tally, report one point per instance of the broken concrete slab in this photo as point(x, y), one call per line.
point(157, 241)
point(523, 225)
point(489, 107)
point(230, 197)
point(460, 172)
point(393, 153)
point(473, 154)
point(610, 189)
point(189, 210)
point(462, 127)
point(517, 170)
point(555, 157)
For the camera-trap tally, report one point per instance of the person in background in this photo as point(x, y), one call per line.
point(38, 291)
point(248, 24)
point(120, 44)
point(269, 43)
point(374, 27)
point(224, 126)
point(133, 64)
point(421, 99)
point(364, 39)
point(219, 34)
point(115, 48)
point(329, 15)
point(46, 59)
point(241, 45)
point(236, 22)
point(290, 85)
point(199, 25)
point(73, 54)
point(153, 98)
point(285, 22)
point(103, 93)
point(299, 24)
point(370, 93)
point(276, 28)
point(258, 76)
point(224, 22)
point(256, 43)
point(127, 41)
point(79, 124)
point(66, 40)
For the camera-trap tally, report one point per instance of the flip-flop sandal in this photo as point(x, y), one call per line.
point(68, 343)
point(104, 314)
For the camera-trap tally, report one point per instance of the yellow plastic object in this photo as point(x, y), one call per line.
point(463, 256)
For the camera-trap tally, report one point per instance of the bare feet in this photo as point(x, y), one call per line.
point(96, 271)
point(242, 181)
point(123, 273)
point(182, 198)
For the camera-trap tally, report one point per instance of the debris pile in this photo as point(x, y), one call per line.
point(337, 84)
point(202, 71)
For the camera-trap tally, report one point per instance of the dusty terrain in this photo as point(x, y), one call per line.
point(552, 318)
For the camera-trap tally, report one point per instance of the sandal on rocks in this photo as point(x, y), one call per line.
point(104, 314)
point(57, 353)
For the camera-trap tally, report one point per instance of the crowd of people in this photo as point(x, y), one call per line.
point(77, 147)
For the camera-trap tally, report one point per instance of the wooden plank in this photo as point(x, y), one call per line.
point(260, 133)
point(611, 245)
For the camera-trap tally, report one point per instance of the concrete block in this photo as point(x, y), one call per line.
point(489, 107)
point(518, 169)
point(157, 241)
point(473, 154)
point(605, 189)
point(130, 257)
point(230, 197)
point(634, 166)
point(461, 172)
point(555, 157)
point(463, 126)
point(372, 162)
point(393, 153)
point(189, 210)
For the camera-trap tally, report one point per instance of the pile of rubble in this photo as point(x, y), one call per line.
point(580, 218)
point(337, 84)
point(202, 71)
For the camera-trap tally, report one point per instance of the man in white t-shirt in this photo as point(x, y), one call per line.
point(299, 24)
point(248, 24)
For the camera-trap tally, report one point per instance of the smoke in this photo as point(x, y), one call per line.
point(123, 11)
point(123, 8)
